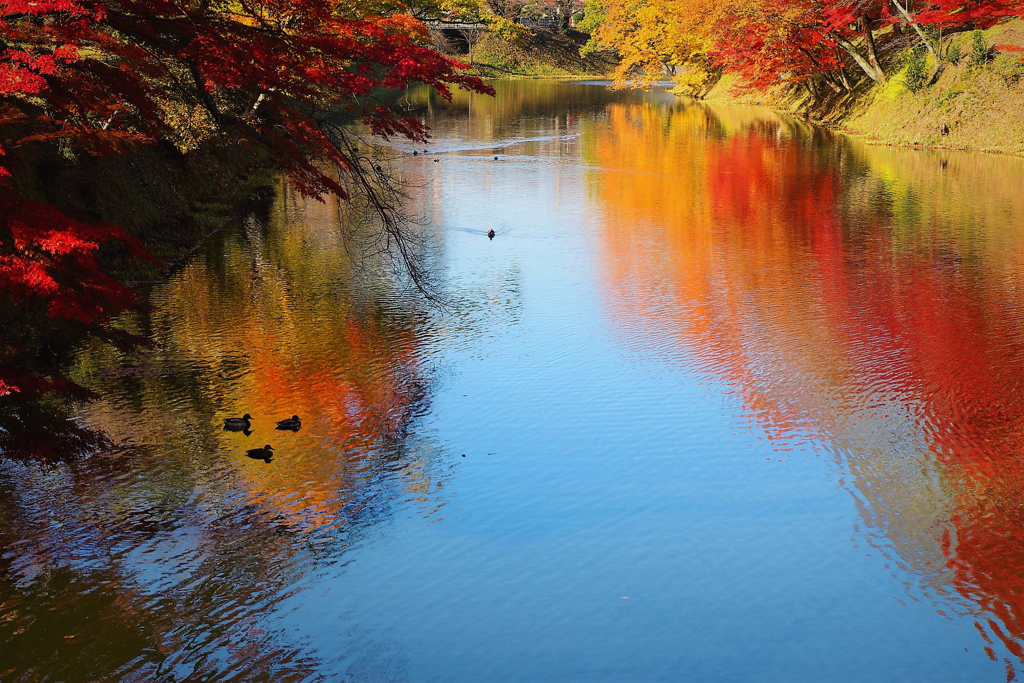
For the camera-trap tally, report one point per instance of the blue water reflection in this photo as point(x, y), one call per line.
point(704, 409)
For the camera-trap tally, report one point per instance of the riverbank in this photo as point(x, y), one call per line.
point(168, 203)
point(972, 105)
point(167, 199)
point(543, 53)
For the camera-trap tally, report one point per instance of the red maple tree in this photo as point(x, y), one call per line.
point(796, 40)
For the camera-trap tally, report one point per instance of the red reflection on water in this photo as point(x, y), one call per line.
point(868, 299)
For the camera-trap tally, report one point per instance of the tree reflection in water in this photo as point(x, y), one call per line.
point(860, 299)
point(167, 556)
point(855, 300)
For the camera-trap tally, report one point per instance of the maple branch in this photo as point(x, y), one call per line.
point(824, 73)
point(924, 39)
point(204, 95)
point(379, 190)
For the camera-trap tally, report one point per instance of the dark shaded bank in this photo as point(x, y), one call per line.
point(543, 53)
point(169, 201)
point(166, 198)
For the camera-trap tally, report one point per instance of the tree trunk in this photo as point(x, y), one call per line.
point(924, 39)
point(844, 78)
point(833, 82)
point(563, 12)
point(869, 45)
point(809, 84)
point(829, 79)
point(874, 74)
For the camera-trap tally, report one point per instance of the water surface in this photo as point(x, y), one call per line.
point(728, 397)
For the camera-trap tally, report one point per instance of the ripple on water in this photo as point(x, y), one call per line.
point(761, 380)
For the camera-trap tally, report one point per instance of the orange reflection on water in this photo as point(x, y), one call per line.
point(693, 232)
point(275, 329)
point(864, 300)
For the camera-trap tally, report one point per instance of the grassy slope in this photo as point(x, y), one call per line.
point(982, 105)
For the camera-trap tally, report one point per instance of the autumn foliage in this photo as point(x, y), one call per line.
point(813, 43)
point(845, 296)
point(101, 77)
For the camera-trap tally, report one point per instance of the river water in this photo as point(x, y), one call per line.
point(727, 398)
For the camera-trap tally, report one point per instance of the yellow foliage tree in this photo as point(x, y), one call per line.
point(479, 11)
point(659, 38)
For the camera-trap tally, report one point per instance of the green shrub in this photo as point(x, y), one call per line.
point(915, 70)
point(954, 52)
point(979, 48)
point(1009, 68)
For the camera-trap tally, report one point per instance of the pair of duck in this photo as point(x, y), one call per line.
point(242, 424)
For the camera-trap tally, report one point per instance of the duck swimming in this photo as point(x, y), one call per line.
point(265, 454)
point(490, 234)
point(237, 424)
point(293, 423)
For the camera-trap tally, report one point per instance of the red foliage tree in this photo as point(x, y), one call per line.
point(104, 76)
point(269, 72)
point(968, 14)
point(780, 39)
point(769, 41)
